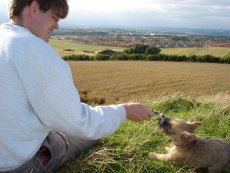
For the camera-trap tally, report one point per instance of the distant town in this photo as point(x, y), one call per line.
point(161, 37)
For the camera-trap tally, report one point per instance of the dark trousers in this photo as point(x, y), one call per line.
point(56, 150)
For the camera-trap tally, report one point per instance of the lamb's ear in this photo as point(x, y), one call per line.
point(194, 125)
point(188, 136)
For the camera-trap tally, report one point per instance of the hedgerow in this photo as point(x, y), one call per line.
point(146, 53)
point(147, 57)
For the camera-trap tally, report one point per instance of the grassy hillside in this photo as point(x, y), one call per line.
point(215, 51)
point(127, 150)
point(77, 48)
point(192, 91)
point(89, 49)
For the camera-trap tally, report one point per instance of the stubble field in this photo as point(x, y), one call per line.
point(118, 81)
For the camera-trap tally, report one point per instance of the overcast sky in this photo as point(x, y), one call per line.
point(211, 14)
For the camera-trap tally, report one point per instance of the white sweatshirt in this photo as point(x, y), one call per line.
point(37, 94)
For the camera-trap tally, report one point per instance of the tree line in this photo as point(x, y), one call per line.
point(146, 53)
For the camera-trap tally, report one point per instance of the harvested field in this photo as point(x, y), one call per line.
point(119, 81)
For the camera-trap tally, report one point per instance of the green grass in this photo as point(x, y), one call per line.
point(78, 48)
point(227, 55)
point(93, 49)
point(126, 151)
point(215, 51)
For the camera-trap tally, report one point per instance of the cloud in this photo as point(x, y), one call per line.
point(171, 13)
